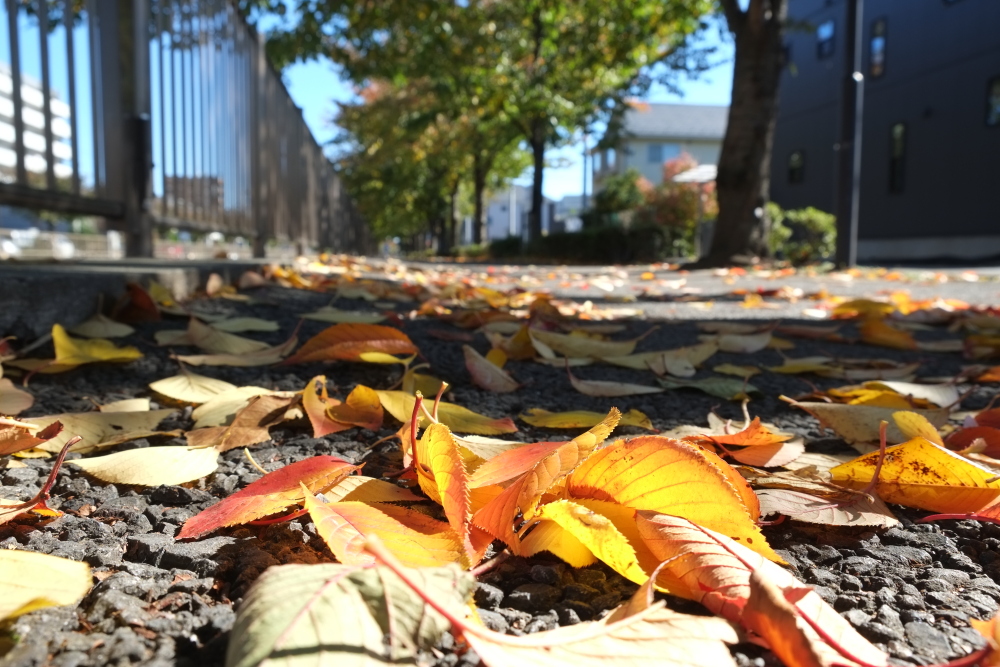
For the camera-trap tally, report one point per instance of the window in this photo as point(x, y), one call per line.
point(597, 162)
point(876, 47)
point(897, 157)
point(993, 102)
point(611, 157)
point(796, 167)
point(654, 153)
point(824, 39)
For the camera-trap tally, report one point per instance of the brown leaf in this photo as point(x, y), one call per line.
point(249, 427)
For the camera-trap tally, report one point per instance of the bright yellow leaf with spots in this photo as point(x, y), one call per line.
point(30, 581)
point(923, 475)
point(673, 477)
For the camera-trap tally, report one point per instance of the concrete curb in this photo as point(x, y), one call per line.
point(34, 296)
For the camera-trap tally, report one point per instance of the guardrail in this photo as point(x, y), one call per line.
point(160, 113)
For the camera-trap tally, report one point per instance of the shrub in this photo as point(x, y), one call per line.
point(802, 236)
point(610, 243)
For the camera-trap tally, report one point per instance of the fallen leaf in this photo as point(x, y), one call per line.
point(414, 538)
point(337, 316)
point(217, 410)
point(708, 567)
point(680, 361)
point(351, 342)
point(274, 492)
point(13, 401)
point(460, 420)
point(923, 475)
point(745, 372)
point(209, 339)
point(721, 387)
point(770, 456)
point(241, 324)
point(442, 476)
point(581, 419)
point(262, 357)
point(101, 326)
point(606, 388)
point(97, 428)
point(369, 490)
point(362, 407)
point(670, 476)
point(845, 509)
point(18, 436)
point(126, 405)
point(776, 620)
point(315, 402)
point(754, 435)
point(581, 346)
point(913, 425)
point(190, 387)
point(332, 614)
point(151, 466)
point(73, 352)
point(879, 332)
point(31, 580)
point(860, 423)
point(941, 395)
point(740, 343)
point(249, 427)
point(486, 375)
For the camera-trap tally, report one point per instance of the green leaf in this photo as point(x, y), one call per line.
point(730, 389)
point(331, 614)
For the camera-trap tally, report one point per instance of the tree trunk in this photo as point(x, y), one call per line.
point(450, 240)
point(744, 172)
point(537, 201)
point(479, 170)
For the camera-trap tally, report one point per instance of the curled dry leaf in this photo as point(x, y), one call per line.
point(723, 387)
point(680, 361)
point(920, 474)
point(583, 346)
point(151, 466)
point(30, 581)
point(941, 395)
point(217, 410)
point(362, 407)
point(100, 429)
point(250, 426)
point(272, 493)
point(460, 420)
point(879, 332)
point(845, 509)
point(337, 316)
point(18, 436)
point(315, 402)
point(262, 357)
point(352, 342)
point(188, 387)
point(206, 337)
point(609, 389)
point(487, 375)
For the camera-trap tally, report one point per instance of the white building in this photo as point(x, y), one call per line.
point(33, 116)
point(654, 133)
point(507, 213)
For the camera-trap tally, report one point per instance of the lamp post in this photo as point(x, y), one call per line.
point(849, 147)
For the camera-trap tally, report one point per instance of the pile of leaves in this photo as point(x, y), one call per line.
point(677, 512)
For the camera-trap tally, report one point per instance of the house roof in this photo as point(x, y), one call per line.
point(676, 121)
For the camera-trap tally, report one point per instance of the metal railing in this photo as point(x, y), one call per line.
point(160, 113)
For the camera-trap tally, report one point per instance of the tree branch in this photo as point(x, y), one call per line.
point(734, 15)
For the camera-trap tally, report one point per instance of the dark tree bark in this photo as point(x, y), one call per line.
point(480, 169)
point(451, 241)
point(744, 179)
point(538, 136)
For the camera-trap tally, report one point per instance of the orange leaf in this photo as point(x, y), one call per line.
point(271, 493)
point(349, 342)
point(710, 568)
point(775, 619)
point(16, 436)
point(754, 435)
point(362, 407)
point(965, 437)
point(770, 456)
point(989, 418)
point(414, 538)
point(538, 468)
point(315, 401)
point(879, 332)
point(671, 476)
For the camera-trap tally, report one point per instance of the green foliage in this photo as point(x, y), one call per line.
point(802, 236)
point(610, 243)
point(620, 192)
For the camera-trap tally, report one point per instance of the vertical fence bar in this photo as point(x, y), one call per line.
point(71, 93)
point(15, 93)
point(43, 29)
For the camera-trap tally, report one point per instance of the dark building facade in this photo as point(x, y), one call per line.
point(930, 176)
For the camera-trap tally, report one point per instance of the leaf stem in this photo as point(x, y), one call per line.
point(414, 419)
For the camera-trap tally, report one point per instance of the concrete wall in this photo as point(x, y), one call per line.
point(939, 60)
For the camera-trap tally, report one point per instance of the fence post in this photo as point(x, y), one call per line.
point(258, 140)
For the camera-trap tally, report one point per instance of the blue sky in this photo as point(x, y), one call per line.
point(316, 87)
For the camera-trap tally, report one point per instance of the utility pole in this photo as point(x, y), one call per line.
point(849, 148)
point(583, 199)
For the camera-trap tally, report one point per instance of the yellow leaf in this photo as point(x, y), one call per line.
point(497, 357)
point(745, 372)
point(598, 534)
point(190, 387)
point(30, 581)
point(336, 316)
point(460, 420)
point(579, 346)
point(740, 343)
point(920, 474)
point(608, 388)
point(369, 490)
point(879, 332)
point(864, 308)
point(913, 425)
point(860, 423)
point(241, 324)
point(551, 537)
point(262, 357)
point(672, 477)
point(680, 361)
point(152, 466)
point(217, 410)
point(581, 419)
point(73, 352)
point(126, 405)
point(97, 428)
point(414, 538)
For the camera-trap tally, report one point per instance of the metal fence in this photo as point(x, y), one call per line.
point(160, 113)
